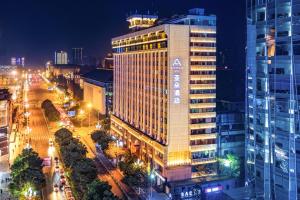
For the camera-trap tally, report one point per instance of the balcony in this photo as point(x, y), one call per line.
point(203, 49)
point(203, 68)
point(203, 86)
point(203, 58)
point(203, 105)
point(203, 77)
point(203, 126)
point(203, 40)
point(202, 115)
point(204, 173)
point(203, 136)
point(203, 161)
point(207, 147)
point(202, 96)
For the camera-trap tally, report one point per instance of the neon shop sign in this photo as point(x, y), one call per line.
point(176, 67)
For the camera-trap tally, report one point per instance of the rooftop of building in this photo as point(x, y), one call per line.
point(195, 16)
point(4, 94)
point(99, 75)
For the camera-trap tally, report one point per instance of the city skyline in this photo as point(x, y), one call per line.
point(39, 29)
point(149, 100)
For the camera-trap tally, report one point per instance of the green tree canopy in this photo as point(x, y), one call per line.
point(230, 165)
point(99, 190)
point(134, 174)
point(84, 172)
point(102, 138)
point(63, 135)
point(72, 151)
point(26, 169)
point(50, 111)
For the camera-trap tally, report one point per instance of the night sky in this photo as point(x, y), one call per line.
point(36, 28)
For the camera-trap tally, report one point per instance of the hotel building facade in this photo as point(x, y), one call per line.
point(273, 72)
point(164, 94)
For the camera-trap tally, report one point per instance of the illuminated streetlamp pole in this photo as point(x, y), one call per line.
point(89, 107)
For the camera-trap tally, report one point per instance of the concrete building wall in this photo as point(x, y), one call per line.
point(178, 102)
point(96, 96)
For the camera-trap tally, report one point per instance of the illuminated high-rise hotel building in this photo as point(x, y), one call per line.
point(273, 75)
point(164, 94)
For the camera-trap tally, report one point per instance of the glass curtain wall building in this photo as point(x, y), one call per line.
point(273, 69)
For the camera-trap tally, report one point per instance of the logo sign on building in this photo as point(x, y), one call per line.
point(176, 67)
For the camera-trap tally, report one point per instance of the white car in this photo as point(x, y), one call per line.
point(51, 143)
point(56, 168)
point(55, 188)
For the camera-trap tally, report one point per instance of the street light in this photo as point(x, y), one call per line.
point(89, 107)
point(81, 113)
point(152, 176)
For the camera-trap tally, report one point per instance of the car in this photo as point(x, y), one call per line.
point(78, 137)
point(50, 142)
point(69, 194)
point(56, 160)
point(56, 169)
point(55, 188)
point(67, 188)
point(62, 178)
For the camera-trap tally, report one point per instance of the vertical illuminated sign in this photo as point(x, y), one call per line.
point(176, 67)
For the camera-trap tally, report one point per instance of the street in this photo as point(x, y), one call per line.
point(39, 135)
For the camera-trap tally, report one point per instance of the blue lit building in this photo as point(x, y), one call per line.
point(231, 129)
point(272, 110)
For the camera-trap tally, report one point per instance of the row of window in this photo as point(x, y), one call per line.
point(203, 54)
point(202, 120)
point(202, 72)
point(203, 63)
point(205, 35)
point(203, 44)
point(195, 101)
point(202, 131)
point(202, 110)
point(203, 142)
point(140, 47)
point(202, 91)
point(202, 81)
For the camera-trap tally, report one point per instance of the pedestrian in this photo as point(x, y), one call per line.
point(1, 191)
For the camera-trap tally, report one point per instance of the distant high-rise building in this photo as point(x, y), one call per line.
point(13, 61)
point(17, 61)
point(61, 58)
point(108, 61)
point(164, 106)
point(273, 84)
point(77, 56)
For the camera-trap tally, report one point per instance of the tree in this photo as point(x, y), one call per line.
point(84, 172)
point(62, 135)
point(50, 111)
point(134, 173)
point(26, 170)
point(72, 151)
point(102, 138)
point(106, 124)
point(99, 190)
point(230, 165)
point(46, 103)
